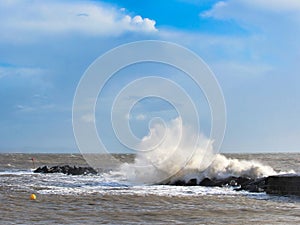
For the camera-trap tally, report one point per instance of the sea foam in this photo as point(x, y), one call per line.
point(175, 158)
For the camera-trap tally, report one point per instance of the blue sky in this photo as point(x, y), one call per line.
point(252, 46)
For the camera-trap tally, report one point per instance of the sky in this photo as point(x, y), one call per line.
point(252, 46)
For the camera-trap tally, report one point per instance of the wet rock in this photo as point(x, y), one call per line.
point(280, 185)
point(288, 184)
point(179, 183)
point(239, 183)
point(66, 170)
point(257, 185)
point(229, 181)
point(41, 169)
point(192, 182)
point(208, 183)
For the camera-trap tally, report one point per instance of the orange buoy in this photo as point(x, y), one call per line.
point(33, 197)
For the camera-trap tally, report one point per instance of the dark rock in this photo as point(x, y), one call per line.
point(243, 180)
point(208, 183)
point(257, 185)
point(288, 184)
point(41, 170)
point(229, 181)
point(179, 183)
point(239, 183)
point(192, 182)
point(66, 170)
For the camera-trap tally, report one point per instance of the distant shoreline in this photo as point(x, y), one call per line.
point(121, 153)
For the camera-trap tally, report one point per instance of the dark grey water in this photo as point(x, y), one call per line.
point(103, 199)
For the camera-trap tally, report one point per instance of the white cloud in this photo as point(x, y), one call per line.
point(21, 19)
point(25, 108)
point(275, 5)
point(35, 108)
point(88, 118)
point(19, 71)
point(256, 12)
point(278, 6)
point(234, 69)
point(275, 26)
point(140, 117)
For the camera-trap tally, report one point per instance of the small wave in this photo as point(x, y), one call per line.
point(16, 172)
point(140, 190)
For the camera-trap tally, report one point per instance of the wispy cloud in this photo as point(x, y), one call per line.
point(225, 9)
point(234, 69)
point(265, 15)
point(278, 6)
point(11, 70)
point(141, 117)
point(272, 24)
point(21, 20)
point(35, 108)
point(88, 118)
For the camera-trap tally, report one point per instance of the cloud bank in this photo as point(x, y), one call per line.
point(26, 19)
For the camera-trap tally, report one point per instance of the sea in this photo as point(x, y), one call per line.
point(108, 198)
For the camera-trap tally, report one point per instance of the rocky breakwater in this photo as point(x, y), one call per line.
point(288, 184)
point(238, 183)
point(70, 170)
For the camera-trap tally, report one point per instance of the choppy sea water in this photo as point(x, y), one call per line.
point(101, 199)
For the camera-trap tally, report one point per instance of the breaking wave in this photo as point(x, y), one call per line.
point(168, 163)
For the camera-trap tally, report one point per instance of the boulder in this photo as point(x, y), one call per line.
point(66, 170)
point(287, 184)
